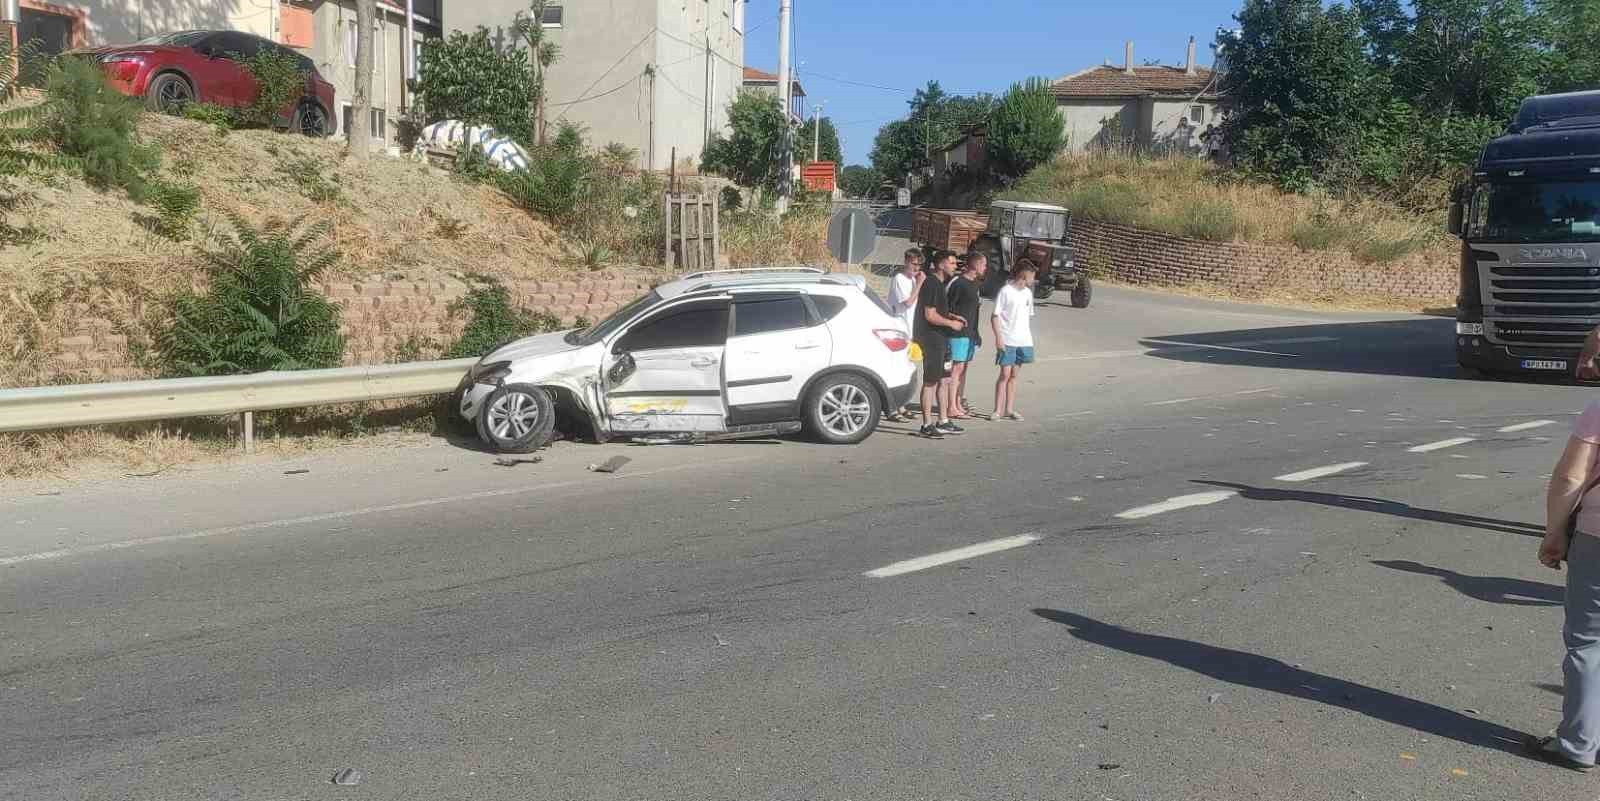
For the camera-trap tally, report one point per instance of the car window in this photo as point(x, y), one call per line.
point(700, 326)
point(762, 316)
point(234, 45)
point(877, 301)
point(829, 306)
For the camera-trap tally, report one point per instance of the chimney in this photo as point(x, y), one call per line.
point(1188, 68)
point(1127, 58)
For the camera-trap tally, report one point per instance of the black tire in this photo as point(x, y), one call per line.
point(842, 409)
point(1042, 290)
point(168, 93)
point(310, 120)
point(1083, 293)
point(517, 418)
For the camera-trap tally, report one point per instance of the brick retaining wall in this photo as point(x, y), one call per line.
point(384, 321)
point(1136, 256)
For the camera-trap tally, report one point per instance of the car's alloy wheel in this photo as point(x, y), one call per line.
point(169, 93)
point(311, 121)
point(842, 410)
point(517, 418)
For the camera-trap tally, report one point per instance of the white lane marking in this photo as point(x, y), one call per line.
point(1441, 444)
point(1291, 341)
point(1529, 426)
point(1072, 414)
point(956, 555)
point(1174, 504)
point(1471, 476)
point(1176, 344)
point(1319, 472)
point(1212, 397)
point(320, 518)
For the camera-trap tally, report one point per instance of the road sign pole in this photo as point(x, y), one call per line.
point(850, 241)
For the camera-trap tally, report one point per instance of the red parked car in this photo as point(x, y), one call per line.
point(174, 69)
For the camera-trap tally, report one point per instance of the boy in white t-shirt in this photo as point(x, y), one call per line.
point(1012, 322)
point(904, 288)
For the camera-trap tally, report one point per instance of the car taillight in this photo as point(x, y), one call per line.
point(892, 338)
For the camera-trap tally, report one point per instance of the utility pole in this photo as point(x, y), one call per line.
point(408, 61)
point(361, 110)
point(785, 84)
point(816, 133)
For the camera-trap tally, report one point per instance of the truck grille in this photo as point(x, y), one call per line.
point(1525, 302)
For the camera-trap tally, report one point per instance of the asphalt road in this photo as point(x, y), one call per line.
point(1233, 552)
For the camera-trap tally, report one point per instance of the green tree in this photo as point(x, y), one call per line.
point(749, 154)
point(1025, 130)
point(830, 147)
point(1569, 31)
point(1301, 86)
point(464, 77)
point(858, 180)
point(1470, 58)
point(529, 26)
point(936, 119)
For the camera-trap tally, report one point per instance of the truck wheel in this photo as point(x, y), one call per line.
point(517, 418)
point(842, 409)
point(1043, 290)
point(1083, 293)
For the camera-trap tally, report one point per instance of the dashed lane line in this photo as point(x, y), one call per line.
point(1441, 445)
point(1319, 472)
point(1529, 426)
point(956, 555)
point(1213, 397)
point(1174, 504)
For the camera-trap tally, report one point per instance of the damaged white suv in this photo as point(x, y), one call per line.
point(711, 355)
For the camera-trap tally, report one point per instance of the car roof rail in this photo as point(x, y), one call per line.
point(739, 270)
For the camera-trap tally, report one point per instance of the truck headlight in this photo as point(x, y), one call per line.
point(1469, 329)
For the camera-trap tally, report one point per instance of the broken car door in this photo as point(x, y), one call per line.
point(665, 372)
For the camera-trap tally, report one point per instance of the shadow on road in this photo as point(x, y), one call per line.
point(1265, 673)
point(1418, 348)
point(1380, 506)
point(1491, 589)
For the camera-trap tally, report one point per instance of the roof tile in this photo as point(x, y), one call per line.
point(1114, 82)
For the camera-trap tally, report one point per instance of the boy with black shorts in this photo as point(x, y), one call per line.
point(933, 324)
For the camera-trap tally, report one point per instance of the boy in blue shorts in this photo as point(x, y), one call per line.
point(964, 303)
point(1012, 322)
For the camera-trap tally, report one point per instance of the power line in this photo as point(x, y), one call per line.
point(953, 92)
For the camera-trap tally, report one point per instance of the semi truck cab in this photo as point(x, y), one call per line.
point(1529, 223)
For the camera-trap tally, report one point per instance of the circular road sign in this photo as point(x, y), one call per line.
point(851, 235)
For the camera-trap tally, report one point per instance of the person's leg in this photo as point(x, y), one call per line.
point(1011, 389)
point(1579, 734)
point(929, 393)
point(1000, 385)
point(958, 381)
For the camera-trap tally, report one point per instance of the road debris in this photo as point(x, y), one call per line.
point(503, 462)
point(1213, 698)
point(721, 643)
point(611, 465)
point(1408, 757)
point(1457, 772)
point(347, 777)
point(300, 472)
point(1109, 766)
point(150, 474)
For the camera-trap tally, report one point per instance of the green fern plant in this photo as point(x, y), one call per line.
point(261, 312)
point(175, 206)
point(23, 135)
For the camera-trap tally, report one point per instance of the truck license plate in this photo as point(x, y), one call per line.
point(1542, 364)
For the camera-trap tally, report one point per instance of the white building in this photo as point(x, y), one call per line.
point(1143, 108)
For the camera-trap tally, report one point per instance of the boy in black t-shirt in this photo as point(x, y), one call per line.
point(933, 324)
point(964, 303)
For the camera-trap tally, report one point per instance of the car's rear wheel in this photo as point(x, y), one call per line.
point(1082, 293)
point(842, 409)
point(517, 418)
point(168, 93)
point(310, 120)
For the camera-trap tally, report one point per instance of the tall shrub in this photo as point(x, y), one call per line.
point(96, 126)
point(280, 80)
point(1025, 129)
point(464, 77)
point(261, 311)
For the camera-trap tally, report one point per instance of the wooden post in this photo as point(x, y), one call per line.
point(683, 231)
point(699, 232)
point(666, 229)
point(716, 229)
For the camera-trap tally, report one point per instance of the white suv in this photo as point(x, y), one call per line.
point(716, 354)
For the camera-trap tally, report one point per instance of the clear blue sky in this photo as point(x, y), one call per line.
point(966, 46)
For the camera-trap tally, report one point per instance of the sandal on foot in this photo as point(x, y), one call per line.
point(1545, 749)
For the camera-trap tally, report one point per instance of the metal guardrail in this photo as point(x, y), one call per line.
point(36, 408)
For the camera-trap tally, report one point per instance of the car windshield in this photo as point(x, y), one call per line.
point(608, 326)
point(1549, 211)
point(177, 39)
point(1041, 224)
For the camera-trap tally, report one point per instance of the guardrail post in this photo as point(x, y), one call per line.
point(248, 423)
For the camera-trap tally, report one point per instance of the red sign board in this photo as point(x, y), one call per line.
point(818, 176)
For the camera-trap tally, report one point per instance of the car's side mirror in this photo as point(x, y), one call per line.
point(621, 369)
point(1457, 218)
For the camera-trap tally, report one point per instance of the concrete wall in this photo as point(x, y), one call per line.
point(599, 81)
point(123, 21)
point(1086, 122)
point(1165, 118)
point(331, 50)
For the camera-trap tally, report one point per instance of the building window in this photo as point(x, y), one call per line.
point(738, 16)
point(378, 122)
point(350, 42)
point(1197, 115)
point(552, 17)
point(416, 55)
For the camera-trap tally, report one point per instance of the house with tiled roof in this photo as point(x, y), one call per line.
point(1140, 107)
point(767, 83)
